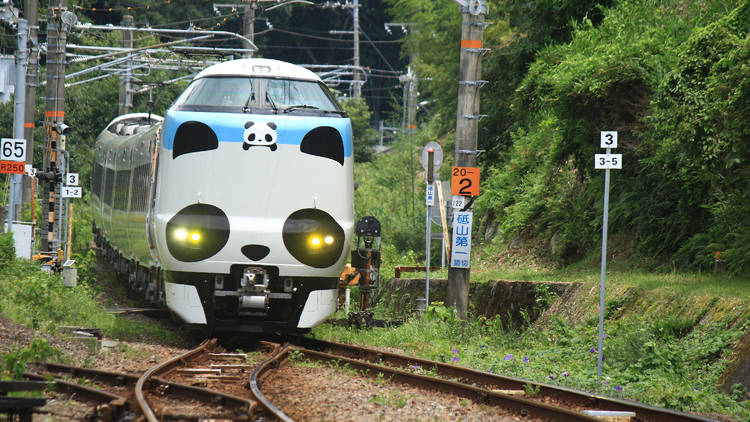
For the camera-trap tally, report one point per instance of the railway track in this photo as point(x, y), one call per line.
point(158, 394)
point(576, 400)
point(207, 383)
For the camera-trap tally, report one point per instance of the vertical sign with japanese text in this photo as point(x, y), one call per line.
point(461, 248)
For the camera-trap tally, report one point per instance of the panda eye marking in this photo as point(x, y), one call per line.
point(193, 136)
point(269, 138)
point(324, 141)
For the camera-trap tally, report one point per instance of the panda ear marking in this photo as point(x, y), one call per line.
point(272, 125)
point(248, 124)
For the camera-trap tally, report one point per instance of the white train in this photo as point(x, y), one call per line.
point(236, 209)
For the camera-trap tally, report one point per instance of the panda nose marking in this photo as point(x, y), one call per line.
point(255, 252)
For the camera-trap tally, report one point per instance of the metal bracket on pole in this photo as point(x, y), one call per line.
point(478, 117)
point(478, 84)
point(476, 152)
point(481, 51)
point(475, 7)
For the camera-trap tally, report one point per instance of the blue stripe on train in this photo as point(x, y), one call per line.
point(229, 127)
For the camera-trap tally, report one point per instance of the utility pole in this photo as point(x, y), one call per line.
point(357, 87)
point(467, 123)
point(126, 92)
point(54, 114)
point(31, 13)
point(248, 26)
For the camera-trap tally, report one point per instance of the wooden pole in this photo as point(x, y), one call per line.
point(467, 123)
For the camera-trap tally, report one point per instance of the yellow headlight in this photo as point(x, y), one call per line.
point(329, 240)
point(315, 241)
point(196, 236)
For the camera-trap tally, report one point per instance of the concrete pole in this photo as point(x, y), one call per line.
point(467, 124)
point(126, 93)
point(412, 112)
point(248, 26)
point(16, 180)
point(54, 112)
point(31, 12)
point(357, 88)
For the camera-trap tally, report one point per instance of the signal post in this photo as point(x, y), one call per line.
point(54, 113)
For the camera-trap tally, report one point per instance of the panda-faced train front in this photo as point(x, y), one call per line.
point(254, 212)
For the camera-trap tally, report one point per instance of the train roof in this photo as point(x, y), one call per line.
point(259, 68)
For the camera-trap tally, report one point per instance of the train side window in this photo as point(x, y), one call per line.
point(96, 180)
point(122, 186)
point(109, 186)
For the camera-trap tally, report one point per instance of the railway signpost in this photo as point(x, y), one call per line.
point(607, 140)
point(12, 149)
point(12, 156)
point(432, 158)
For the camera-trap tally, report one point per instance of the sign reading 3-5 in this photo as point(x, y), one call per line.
point(12, 149)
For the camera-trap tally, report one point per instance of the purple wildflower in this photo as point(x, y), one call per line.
point(592, 350)
point(565, 374)
point(526, 359)
point(454, 358)
point(618, 388)
point(415, 367)
point(551, 376)
point(455, 351)
point(606, 382)
point(489, 370)
point(508, 357)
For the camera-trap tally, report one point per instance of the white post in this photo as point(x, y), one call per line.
point(16, 180)
point(607, 140)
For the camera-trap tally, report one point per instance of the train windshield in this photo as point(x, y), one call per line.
point(233, 94)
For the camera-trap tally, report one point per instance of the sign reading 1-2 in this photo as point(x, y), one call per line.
point(465, 181)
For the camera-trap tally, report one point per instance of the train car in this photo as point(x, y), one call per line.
point(236, 209)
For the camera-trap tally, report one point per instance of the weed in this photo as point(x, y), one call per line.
point(390, 399)
point(738, 392)
point(531, 389)
point(38, 350)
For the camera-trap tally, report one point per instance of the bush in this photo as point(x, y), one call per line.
point(7, 249)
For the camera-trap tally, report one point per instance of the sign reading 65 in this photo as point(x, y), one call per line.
point(13, 149)
point(465, 181)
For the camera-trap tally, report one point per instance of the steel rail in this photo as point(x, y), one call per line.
point(518, 406)
point(182, 390)
point(117, 403)
point(271, 363)
point(472, 376)
point(168, 366)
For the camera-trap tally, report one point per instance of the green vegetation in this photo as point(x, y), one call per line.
point(41, 301)
point(14, 363)
point(673, 362)
point(671, 76)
